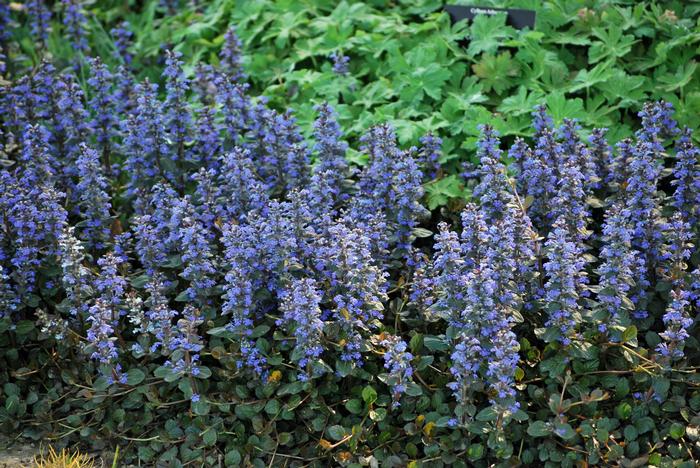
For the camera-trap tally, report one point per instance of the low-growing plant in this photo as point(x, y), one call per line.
point(185, 275)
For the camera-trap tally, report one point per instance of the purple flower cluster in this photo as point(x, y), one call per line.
point(357, 285)
point(94, 200)
point(331, 167)
point(76, 278)
point(686, 174)
point(40, 17)
point(565, 276)
point(104, 314)
point(102, 105)
point(33, 219)
point(301, 316)
point(8, 299)
point(177, 116)
point(122, 37)
point(474, 276)
point(200, 266)
point(619, 262)
point(677, 322)
point(429, 156)
point(76, 25)
point(390, 184)
point(397, 361)
point(230, 57)
point(340, 63)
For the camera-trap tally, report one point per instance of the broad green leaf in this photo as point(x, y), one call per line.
point(487, 32)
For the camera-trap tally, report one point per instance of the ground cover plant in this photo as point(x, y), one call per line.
point(375, 61)
point(186, 275)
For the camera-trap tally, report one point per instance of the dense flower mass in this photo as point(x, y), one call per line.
point(192, 246)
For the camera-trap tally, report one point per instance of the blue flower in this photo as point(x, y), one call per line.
point(105, 121)
point(122, 37)
point(145, 141)
point(301, 315)
point(397, 361)
point(619, 264)
point(230, 56)
point(677, 322)
point(686, 174)
point(565, 277)
point(40, 18)
point(330, 150)
point(340, 63)
point(177, 116)
point(94, 200)
point(76, 25)
point(493, 188)
point(429, 155)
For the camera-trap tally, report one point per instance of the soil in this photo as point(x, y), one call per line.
point(17, 454)
point(21, 454)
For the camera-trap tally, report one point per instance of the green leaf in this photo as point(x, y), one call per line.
point(435, 343)
point(378, 414)
point(682, 76)
point(291, 388)
point(612, 44)
point(554, 366)
point(200, 407)
point(629, 334)
point(354, 406)
point(209, 437)
point(134, 377)
point(539, 429)
point(497, 72)
point(219, 331)
point(487, 33)
point(182, 297)
point(564, 430)
point(588, 78)
point(520, 103)
point(12, 404)
point(284, 438)
point(560, 107)
point(475, 451)
point(248, 410)
point(422, 232)
point(336, 432)
point(661, 386)
point(369, 395)
point(272, 407)
point(24, 327)
point(487, 414)
point(623, 410)
point(630, 433)
point(232, 458)
point(259, 331)
point(644, 424)
point(413, 389)
point(442, 190)
point(11, 389)
point(677, 430)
